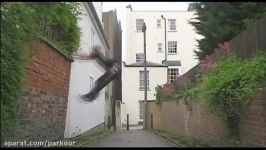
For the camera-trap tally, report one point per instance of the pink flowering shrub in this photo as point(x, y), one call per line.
point(208, 62)
point(168, 88)
point(182, 86)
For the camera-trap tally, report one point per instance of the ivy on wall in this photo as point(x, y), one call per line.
point(58, 23)
point(21, 24)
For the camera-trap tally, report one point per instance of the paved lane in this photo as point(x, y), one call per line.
point(134, 138)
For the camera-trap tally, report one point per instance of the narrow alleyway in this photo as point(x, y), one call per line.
point(133, 138)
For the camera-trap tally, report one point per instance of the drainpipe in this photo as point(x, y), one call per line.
point(165, 37)
point(145, 123)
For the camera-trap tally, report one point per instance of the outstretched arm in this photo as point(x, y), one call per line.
point(95, 54)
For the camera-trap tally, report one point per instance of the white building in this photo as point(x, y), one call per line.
point(133, 88)
point(83, 116)
point(166, 61)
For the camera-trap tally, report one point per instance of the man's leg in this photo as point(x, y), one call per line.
point(99, 85)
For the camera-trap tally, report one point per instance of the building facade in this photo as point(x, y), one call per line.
point(83, 116)
point(133, 89)
point(170, 41)
point(113, 32)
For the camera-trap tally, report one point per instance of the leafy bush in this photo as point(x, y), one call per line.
point(180, 89)
point(15, 38)
point(227, 83)
point(160, 94)
point(230, 83)
point(185, 91)
point(58, 23)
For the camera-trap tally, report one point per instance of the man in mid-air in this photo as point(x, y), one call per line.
point(110, 65)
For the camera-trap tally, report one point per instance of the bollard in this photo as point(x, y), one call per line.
point(151, 121)
point(127, 121)
point(114, 122)
point(108, 122)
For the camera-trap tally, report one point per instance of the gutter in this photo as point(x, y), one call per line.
point(130, 65)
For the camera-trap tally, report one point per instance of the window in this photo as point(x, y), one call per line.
point(172, 24)
point(91, 82)
point(141, 109)
point(158, 22)
point(172, 74)
point(160, 49)
point(139, 23)
point(139, 57)
point(92, 37)
point(141, 80)
point(172, 45)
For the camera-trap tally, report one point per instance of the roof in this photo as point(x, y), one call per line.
point(172, 63)
point(130, 7)
point(141, 64)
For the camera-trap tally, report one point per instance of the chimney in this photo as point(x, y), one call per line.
point(129, 6)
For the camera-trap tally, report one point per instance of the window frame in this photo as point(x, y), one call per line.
point(172, 49)
point(141, 109)
point(138, 26)
point(159, 24)
point(92, 37)
point(140, 58)
point(91, 83)
point(170, 77)
point(159, 46)
point(172, 24)
point(142, 81)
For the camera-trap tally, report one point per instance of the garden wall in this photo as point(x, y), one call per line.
point(199, 122)
point(44, 103)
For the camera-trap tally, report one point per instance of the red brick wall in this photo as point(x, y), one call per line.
point(253, 121)
point(200, 123)
point(43, 109)
point(157, 112)
point(49, 70)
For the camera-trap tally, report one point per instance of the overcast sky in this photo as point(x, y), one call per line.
point(121, 11)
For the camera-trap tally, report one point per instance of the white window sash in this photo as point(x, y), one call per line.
point(172, 47)
point(141, 109)
point(139, 24)
point(92, 37)
point(170, 71)
point(172, 24)
point(91, 82)
point(139, 57)
point(160, 47)
point(142, 81)
point(158, 22)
